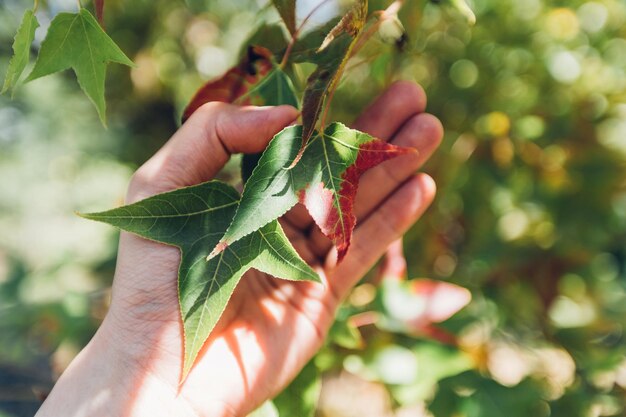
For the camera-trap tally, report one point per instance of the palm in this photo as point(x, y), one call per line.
point(271, 328)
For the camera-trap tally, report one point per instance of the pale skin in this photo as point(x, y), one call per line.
point(271, 328)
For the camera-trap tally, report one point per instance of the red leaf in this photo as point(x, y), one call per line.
point(442, 299)
point(334, 213)
point(235, 83)
point(325, 181)
point(419, 304)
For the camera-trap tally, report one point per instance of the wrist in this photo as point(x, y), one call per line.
point(101, 382)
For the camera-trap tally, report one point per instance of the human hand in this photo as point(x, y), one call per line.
point(270, 328)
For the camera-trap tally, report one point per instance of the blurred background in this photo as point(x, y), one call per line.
point(530, 217)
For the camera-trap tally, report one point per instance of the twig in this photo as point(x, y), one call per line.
point(297, 33)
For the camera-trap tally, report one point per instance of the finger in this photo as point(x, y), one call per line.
point(422, 132)
point(381, 119)
point(388, 223)
point(204, 144)
point(390, 111)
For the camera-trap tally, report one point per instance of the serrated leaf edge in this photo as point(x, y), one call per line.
point(13, 84)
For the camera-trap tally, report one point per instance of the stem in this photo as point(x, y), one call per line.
point(362, 38)
point(80, 5)
point(35, 6)
point(393, 9)
point(364, 61)
point(297, 33)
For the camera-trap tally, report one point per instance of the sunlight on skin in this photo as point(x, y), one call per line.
point(271, 328)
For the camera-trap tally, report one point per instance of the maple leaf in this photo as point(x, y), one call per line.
point(194, 219)
point(333, 55)
point(76, 40)
point(325, 181)
point(21, 50)
point(256, 80)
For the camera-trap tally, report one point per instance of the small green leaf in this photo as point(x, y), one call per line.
point(76, 40)
point(194, 219)
point(287, 11)
point(300, 398)
point(21, 50)
point(272, 90)
point(325, 181)
point(275, 89)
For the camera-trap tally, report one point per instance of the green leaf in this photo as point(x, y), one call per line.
point(345, 334)
point(272, 90)
point(334, 53)
point(300, 398)
point(287, 11)
point(275, 89)
point(325, 181)
point(194, 219)
point(76, 40)
point(488, 398)
point(21, 50)
point(235, 83)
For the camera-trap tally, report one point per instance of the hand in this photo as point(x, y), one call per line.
point(271, 327)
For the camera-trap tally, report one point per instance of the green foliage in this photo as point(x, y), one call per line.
point(77, 41)
point(21, 50)
point(194, 219)
point(324, 180)
point(301, 396)
point(275, 89)
point(486, 398)
point(331, 57)
point(529, 215)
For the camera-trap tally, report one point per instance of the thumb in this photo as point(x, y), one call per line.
point(204, 144)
